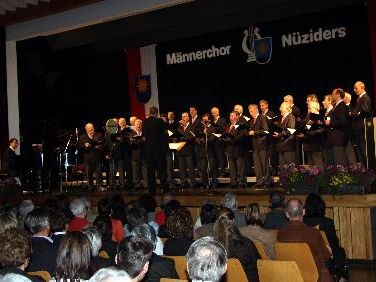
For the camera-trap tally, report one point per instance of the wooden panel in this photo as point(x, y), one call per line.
point(195, 212)
point(344, 229)
point(329, 213)
point(336, 218)
point(361, 237)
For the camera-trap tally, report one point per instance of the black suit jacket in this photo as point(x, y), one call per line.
point(10, 163)
point(156, 137)
point(336, 132)
point(361, 111)
point(187, 136)
point(173, 126)
point(260, 140)
point(236, 141)
point(196, 122)
point(204, 141)
point(93, 153)
point(160, 267)
point(285, 142)
point(44, 255)
point(138, 145)
point(219, 125)
point(295, 111)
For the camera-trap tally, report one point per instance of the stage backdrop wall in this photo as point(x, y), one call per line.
point(314, 53)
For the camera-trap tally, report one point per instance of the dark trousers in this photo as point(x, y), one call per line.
point(170, 169)
point(116, 166)
point(156, 162)
point(261, 162)
point(186, 162)
point(139, 172)
point(206, 172)
point(219, 150)
point(93, 167)
point(287, 157)
point(351, 152)
point(360, 149)
point(237, 170)
point(338, 155)
point(316, 158)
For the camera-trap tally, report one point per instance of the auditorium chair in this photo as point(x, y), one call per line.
point(172, 280)
point(235, 271)
point(323, 235)
point(281, 271)
point(103, 254)
point(301, 254)
point(261, 249)
point(195, 213)
point(45, 275)
point(180, 266)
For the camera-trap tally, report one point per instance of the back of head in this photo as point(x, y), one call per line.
point(135, 217)
point(59, 221)
point(78, 207)
point(148, 203)
point(105, 207)
point(153, 111)
point(277, 200)
point(95, 239)
point(225, 230)
point(133, 255)
point(110, 274)
point(180, 224)
point(253, 216)
point(229, 201)
point(146, 231)
point(207, 214)
point(104, 226)
point(314, 206)
point(15, 248)
point(37, 220)
point(73, 256)
point(8, 220)
point(206, 260)
point(25, 207)
point(294, 209)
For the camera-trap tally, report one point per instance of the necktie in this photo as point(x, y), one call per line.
point(231, 127)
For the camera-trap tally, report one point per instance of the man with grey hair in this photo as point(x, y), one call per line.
point(295, 111)
point(229, 201)
point(297, 232)
point(159, 267)
point(79, 210)
point(110, 274)
point(206, 260)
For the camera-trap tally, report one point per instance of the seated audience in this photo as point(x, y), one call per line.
point(133, 256)
point(78, 208)
point(169, 208)
point(105, 209)
point(110, 274)
point(59, 225)
point(160, 216)
point(229, 201)
point(104, 226)
point(237, 246)
point(276, 218)
point(206, 260)
point(315, 216)
point(159, 267)
point(180, 233)
point(207, 219)
point(15, 253)
point(253, 231)
point(90, 214)
point(73, 258)
point(25, 207)
point(95, 239)
point(8, 220)
point(44, 251)
point(297, 231)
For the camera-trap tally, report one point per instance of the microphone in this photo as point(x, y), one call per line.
point(77, 131)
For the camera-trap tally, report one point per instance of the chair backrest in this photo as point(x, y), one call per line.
point(281, 271)
point(180, 266)
point(235, 271)
point(45, 275)
point(195, 213)
point(261, 249)
point(172, 280)
point(323, 235)
point(301, 254)
point(164, 239)
point(103, 254)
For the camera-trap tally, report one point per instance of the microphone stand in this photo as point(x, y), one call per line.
point(65, 164)
point(208, 168)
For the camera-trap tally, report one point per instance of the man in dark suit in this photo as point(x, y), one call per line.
point(125, 163)
point(172, 126)
point(236, 150)
point(10, 162)
point(185, 155)
point(195, 120)
point(295, 111)
point(361, 111)
point(243, 120)
point(351, 144)
point(284, 139)
point(44, 251)
point(156, 147)
point(337, 129)
point(258, 129)
point(219, 126)
point(297, 231)
point(91, 143)
point(137, 155)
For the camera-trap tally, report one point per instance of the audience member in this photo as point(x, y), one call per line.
point(78, 208)
point(169, 208)
point(253, 231)
point(103, 223)
point(73, 258)
point(90, 214)
point(237, 246)
point(105, 209)
point(59, 226)
point(110, 274)
point(180, 233)
point(133, 256)
point(206, 260)
point(229, 201)
point(44, 251)
point(276, 218)
point(315, 216)
point(159, 267)
point(160, 216)
point(15, 253)
point(8, 220)
point(25, 207)
point(207, 218)
point(297, 231)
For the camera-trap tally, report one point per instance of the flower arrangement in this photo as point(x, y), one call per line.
point(334, 179)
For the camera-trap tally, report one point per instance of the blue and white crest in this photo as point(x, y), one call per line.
point(259, 49)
